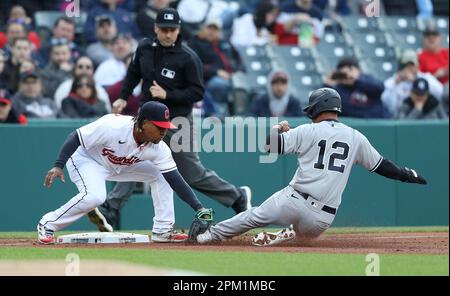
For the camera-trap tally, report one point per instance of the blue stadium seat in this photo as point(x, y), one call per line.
point(366, 39)
point(398, 23)
point(360, 24)
point(382, 69)
point(46, 19)
point(375, 52)
point(407, 40)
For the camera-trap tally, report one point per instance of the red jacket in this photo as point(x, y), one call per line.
point(431, 62)
point(32, 36)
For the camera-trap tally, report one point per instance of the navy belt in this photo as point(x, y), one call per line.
point(327, 209)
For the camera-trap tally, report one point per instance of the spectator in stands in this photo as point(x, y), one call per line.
point(398, 87)
point(20, 61)
point(360, 93)
point(106, 31)
point(83, 66)
point(146, 16)
point(58, 69)
point(63, 32)
point(445, 98)
point(219, 59)
point(82, 101)
point(300, 22)
point(256, 28)
point(340, 7)
point(114, 70)
point(420, 104)
point(124, 20)
point(16, 29)
point(114, 93)
point(278, 101)
point(19, 15)
point(434, 58)
point(194, 13)
point(3, 60)
point(8, 113)
point(29, 100)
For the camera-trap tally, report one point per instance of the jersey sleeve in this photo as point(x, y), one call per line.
point(161, 156)
point(367, 156)
point(291, 141)
point(94, 133)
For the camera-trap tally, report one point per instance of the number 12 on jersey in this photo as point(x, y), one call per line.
point(342, 155)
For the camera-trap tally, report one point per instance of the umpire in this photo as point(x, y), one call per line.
point(172, 74)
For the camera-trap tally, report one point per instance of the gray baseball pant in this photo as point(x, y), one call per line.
point(283, 208)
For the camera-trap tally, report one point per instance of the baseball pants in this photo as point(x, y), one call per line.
point(196, 175)
point(283, 208)
point(90, 177)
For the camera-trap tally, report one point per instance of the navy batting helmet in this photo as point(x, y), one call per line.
point(321, 100)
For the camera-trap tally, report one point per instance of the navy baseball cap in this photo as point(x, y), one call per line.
point(168, 18)
point(420, 86)
point(157, 113)
point(28, 74)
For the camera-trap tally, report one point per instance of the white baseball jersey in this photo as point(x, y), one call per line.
point(110, 142)
point(326, 153)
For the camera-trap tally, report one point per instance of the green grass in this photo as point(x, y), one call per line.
point(241, 263)
point(248, 263)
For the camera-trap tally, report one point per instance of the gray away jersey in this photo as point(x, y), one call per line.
point(326, 153)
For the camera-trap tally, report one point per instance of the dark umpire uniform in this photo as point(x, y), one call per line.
point(172, 74)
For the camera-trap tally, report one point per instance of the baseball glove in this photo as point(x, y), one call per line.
point(202, 221)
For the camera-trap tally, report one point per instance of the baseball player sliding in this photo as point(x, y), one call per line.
point(121, 148)
point(327, 150)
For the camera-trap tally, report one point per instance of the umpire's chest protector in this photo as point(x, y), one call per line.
point(165, 65)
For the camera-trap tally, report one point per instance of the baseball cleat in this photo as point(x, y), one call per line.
point(45, 235)
point(96, 217)
point(265, 239)
point(204, 237)
point(171, 236)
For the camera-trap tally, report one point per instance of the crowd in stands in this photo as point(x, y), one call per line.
point(76, 70)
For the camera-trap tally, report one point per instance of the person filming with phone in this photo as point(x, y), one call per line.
point(360, 93)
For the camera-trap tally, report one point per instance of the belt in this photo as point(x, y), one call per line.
point(327, 209)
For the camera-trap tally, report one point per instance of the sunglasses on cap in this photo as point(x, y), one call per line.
point(84, 66)
point(84, 84)
point(59, 41)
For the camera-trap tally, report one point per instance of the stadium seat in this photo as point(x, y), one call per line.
point(360, 24)
point(375, 52)
point(382, 69)
point(334, 38)
point(302, 85)
point(406, 40)
point(398, 23)
point(327, 56)
point(250, 53)
point(366, 39)
point(46, 19)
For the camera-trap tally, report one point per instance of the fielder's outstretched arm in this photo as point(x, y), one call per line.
point(389, 170)
point(179, 185)
point(67, 149)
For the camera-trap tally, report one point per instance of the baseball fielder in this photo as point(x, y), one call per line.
point(327, 150)
point(120, 148)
